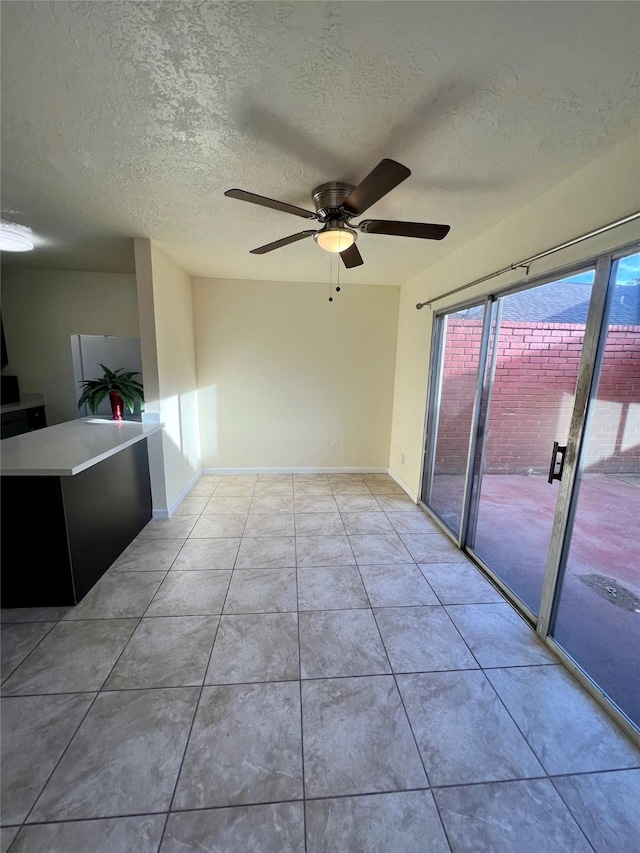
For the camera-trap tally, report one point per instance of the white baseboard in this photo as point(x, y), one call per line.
point(403, 485)
point(167, 513)
point(206, 471)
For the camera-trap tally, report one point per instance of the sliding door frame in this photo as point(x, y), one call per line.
point(565, 504)
point(434, 391)
point(592, 355)
point(438, 347)
point(475, 419)
point(470, 511)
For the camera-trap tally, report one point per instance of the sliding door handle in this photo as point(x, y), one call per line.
point(553, 473)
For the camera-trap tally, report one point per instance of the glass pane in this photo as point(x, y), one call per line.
point(462, 333)
point(598, 616)
point(537, 351)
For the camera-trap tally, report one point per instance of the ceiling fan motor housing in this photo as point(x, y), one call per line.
point(328, 199)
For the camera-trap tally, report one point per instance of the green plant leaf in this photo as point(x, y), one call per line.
point(94, 391)
point(95, 400)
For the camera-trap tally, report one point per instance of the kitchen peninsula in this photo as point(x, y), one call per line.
point(74, 496)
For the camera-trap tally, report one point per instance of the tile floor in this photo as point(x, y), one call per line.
point(298, 663)
point(592, 628)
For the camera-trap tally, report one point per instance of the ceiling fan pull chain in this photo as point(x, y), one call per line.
point(330, 277)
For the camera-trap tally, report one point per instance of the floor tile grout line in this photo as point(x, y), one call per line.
point(30, 652)
point(515, 722)
point(459, 633)
point(395, 681)
point(72, 621)
point(519, 666)
point(75, 622)
point(278, 802)
point(153, 597)
point(164, 829)
point(386, 792)
point(217, 612)
point(482, 669)
point(392, 673)
point(570, 810)
point(442, 823)
point(196, 707)
point(120, 655)
point(155, 687)
point(64, 752)
point(304, 797)
point(207, 668)
point(201, 690)
point(272, 681)
point(232, 806)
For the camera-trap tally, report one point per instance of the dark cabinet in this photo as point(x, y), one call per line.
point(36, 418)
point(90, 518)
point(20, 421)
point(14, 423)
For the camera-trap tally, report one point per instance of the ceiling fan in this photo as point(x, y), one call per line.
point(337, 204)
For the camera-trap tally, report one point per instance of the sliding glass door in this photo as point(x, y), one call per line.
point(532, 459)
point(536, 345)
point(596, 617)
point(456, 362)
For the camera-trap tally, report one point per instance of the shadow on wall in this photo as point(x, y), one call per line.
point(208, 417)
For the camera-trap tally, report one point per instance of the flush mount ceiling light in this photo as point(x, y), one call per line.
point(337, 204)
point(15, 238)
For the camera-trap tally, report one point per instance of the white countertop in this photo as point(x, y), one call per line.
point(66, 449)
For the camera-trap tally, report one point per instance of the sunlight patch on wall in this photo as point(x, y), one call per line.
point(207, 403)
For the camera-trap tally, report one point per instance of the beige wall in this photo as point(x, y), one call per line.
point(603, 191)
point(41, 309)
point(287, 379)
point(168, 366)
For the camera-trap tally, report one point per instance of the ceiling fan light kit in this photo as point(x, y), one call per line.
point(335, 237)
point(336, 204)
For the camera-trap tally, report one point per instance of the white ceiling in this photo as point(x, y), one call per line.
point(123, 119)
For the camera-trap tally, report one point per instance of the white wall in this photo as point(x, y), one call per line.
point(288, 380)
point(603, 191)
point(168, 365)
point(41, 309)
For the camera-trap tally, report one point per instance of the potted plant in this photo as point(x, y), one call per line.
point(122, 388)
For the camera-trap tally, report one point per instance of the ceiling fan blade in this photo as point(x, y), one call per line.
point(262, 200)
point(278, 244)
point(386, 175)
point(351, 257)
point(422, 230)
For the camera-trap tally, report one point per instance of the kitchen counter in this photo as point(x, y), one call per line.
point(69, 448)
point(84, 488)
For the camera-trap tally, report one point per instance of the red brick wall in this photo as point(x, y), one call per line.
point(458, 389)
point(536, 372)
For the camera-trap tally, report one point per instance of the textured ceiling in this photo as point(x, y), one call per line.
point(123, 119)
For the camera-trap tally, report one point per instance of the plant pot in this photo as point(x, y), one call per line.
point(117, 405)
